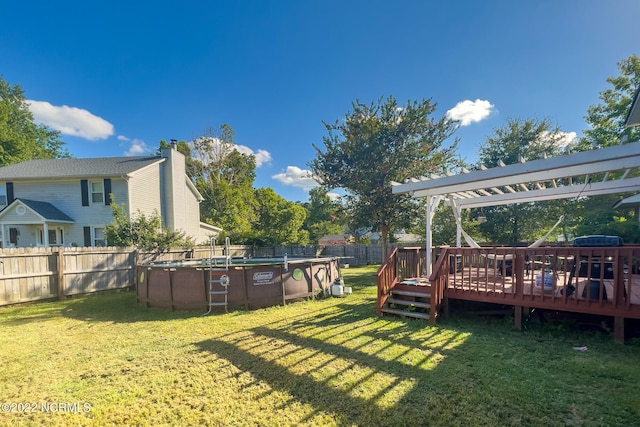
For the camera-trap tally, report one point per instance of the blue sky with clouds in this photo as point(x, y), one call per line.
point(117, 77)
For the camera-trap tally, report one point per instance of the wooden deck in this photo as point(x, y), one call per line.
point(599, 280)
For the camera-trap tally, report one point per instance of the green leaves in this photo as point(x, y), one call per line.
point(378, 143)
point(607, 118)
point(20, 138)
point(142, 231)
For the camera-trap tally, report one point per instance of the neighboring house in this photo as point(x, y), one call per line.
point(66, 202)
point(403, 237)
point(336, 239)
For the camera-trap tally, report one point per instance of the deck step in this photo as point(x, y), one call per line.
point(411, 293)
point(403, 313)
point(408, 302)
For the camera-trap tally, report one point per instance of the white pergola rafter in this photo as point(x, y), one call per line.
point(562, 177)
point(513, 182)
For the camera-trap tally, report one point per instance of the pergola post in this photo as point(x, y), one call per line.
point(432, 205)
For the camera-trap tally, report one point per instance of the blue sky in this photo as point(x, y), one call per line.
point(117, 77)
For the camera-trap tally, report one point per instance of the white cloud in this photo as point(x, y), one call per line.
point(567, 138)
point(334, 196)
point(262, 156)
point(296, 177)
point(137, 148)
point(122, 138)
point(467, 112)
point(70, 120)
point(561, 139)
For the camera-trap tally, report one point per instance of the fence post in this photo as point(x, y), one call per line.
point(60, 268)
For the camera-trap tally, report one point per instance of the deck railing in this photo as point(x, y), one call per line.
point(592, 280)
point(387, 278)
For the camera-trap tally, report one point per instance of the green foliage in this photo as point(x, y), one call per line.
point(595, 215)
point(142, 231)
point(608, 117)
point(376, 144)
point(523, 222)
point(279, 220)
point(527, 139)
point(224, 177)
point(20, 138)
point(324, 216)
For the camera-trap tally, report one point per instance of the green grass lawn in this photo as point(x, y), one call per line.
point(325, 362)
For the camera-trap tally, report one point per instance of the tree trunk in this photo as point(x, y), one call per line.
point(384, 231)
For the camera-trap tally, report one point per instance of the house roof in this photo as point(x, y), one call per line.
point(631, 202)
point(633, 117)
point(72, 168)
point(47, 211)
point(336, 237)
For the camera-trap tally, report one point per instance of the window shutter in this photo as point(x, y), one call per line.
point(10, 197)
point(84, 188)
point(107, 191)
point(87, 236)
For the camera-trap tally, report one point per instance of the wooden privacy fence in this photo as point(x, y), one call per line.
point(32, 274)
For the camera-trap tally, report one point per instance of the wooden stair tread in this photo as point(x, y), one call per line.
point(408, 302)
point(406, 313)
point(411, 293)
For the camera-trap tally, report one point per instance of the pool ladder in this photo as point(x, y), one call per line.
point(223, 281)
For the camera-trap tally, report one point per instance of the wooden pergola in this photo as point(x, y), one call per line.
point(613, 169)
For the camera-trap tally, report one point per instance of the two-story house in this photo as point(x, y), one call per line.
point(66, 202)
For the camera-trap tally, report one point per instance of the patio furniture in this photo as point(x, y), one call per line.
point(595, 269)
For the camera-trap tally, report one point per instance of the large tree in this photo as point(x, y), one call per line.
point(324, 215)
point(529, 140)
point(378, 143)
point(21, 138)
point(606, 119)
point(279, 221)
point(224, 176)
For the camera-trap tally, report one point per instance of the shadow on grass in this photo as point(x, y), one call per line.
point(120, 307)
point(342, 364)
point(123, 307)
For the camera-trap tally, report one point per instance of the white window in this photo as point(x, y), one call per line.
point(56, 236)
point(3, 195)
point(98, 237)
point(97, 192)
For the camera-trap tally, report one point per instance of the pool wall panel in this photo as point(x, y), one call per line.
point(252, 285)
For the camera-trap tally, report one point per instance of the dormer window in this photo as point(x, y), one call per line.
point(3, 195)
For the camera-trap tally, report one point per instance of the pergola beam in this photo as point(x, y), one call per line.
point(606, 159)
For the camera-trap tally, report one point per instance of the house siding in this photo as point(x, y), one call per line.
point(158, 186)
point(145, 185)
point(181, 206)
point(28, 218)
point(192, 214)
point(66, 195)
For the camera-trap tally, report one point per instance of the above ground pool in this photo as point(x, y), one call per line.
point(235, 282)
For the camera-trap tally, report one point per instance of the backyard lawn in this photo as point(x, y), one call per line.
point(106, 360)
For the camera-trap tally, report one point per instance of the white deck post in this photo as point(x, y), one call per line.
point(458, 228)
point(432, 205)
